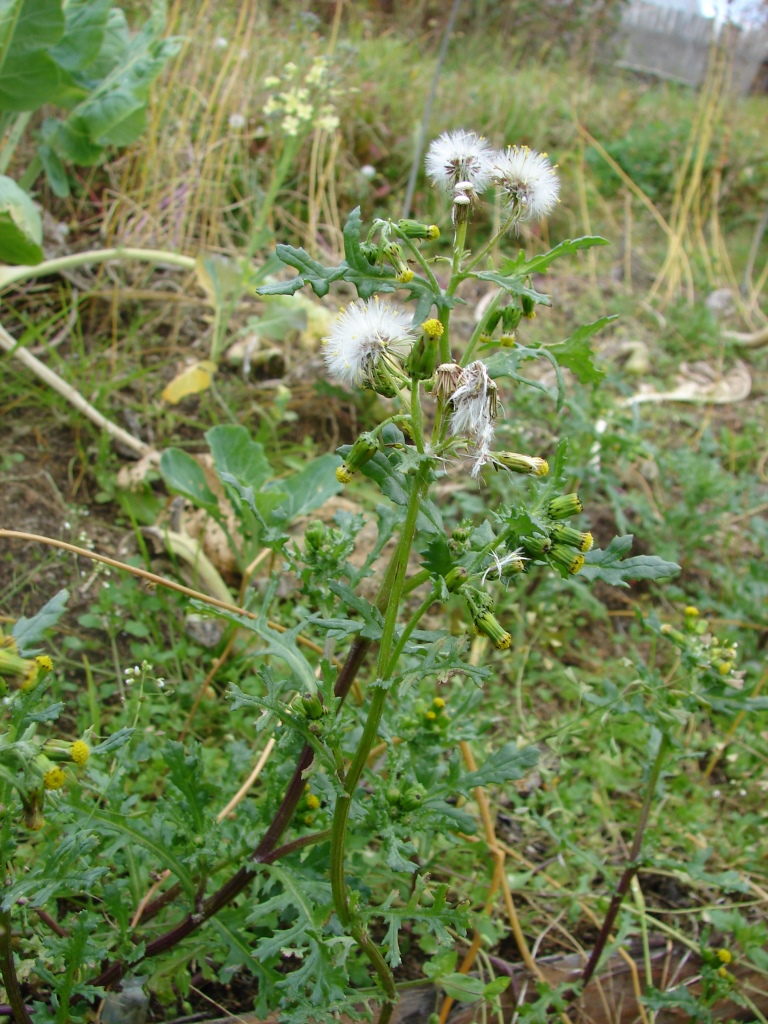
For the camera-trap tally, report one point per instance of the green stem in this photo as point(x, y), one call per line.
point(8, 971)
point(10, 275)
point(470, 349)
point(489, 245)
point(405, 636)
point(414, 250)
point(397, 571)
point(459, 240)
point(417, 420)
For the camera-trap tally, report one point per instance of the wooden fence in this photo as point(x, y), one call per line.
point(676, 44)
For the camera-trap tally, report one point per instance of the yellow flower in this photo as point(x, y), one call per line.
point(80, 752)
point(724, 956)
point(44, 663)
point(54, 778)
point(313, 802)
point(438, 702)
point(430, 716)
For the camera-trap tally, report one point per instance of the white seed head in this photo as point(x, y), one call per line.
point(365, 332)
point(459, 158)
point(528, 182)
point(474, 409)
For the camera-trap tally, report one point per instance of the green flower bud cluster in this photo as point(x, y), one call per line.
point(404, 800)
point(704, 649)
point(480, 607)
point(561, 545)
point(509, 317)
point(414, 229)
point(308, 805)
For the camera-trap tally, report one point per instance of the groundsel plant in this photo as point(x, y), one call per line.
point(445, 404)
point(341, 848)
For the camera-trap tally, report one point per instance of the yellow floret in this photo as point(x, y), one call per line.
point(724, 956)
point(54, 778)
point(80, 752)
point(313, 802)
point(438, 702)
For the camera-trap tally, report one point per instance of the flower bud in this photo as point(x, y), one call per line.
point(32, 804)
point(573, 538)
point(489, 626)
point(316, 532)
point(527, 303)
point(564, 506)
point(313, 706)
point(455, 577)
point(565, 558)
point(521, 463)
point(362, 451)
point(413, 797)
point(423, 357)
point(415, 229)
point(536, 546)
point(394, 253)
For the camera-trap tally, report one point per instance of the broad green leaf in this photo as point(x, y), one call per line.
point(236, 454)
point(21, 229)
point(84, 29)
point(576, 354)
point(463, 987)
point(29, 76)
point(310, 488)
point(536, 264)
point(611, 567)
point(28, 632)
point(184, 474)
point(282, 314)
point(114, 45)
point(54, 170)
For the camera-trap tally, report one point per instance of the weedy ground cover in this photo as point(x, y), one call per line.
point(361, 673)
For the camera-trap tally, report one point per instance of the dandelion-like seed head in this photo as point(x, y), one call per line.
point(474, 408)
point(460, 158)
point(366, 333)
point(528, 182)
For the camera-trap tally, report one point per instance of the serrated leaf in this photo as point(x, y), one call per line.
point(575, 352)
point(310, 272)
point(184, 474)
point(514, 285)
point(437, 557)
point(506, 362)
point(27, 632)
point(537, 264)
point(114, 742)
point(504, 764)
point(611, 567)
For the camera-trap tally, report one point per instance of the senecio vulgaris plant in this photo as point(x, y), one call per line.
point(353, 786)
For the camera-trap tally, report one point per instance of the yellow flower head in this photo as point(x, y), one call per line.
point(44, 663)
point(312, 802)
point(438, 702)
point(54, 778)
point(430, 716)
point(724, 956)
point(80, 752)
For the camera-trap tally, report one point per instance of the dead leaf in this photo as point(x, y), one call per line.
point(191, 381)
